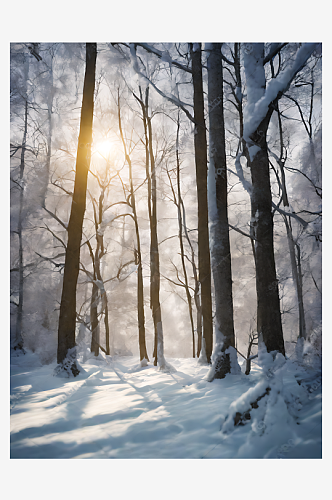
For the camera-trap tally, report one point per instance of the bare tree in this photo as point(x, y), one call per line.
point(138, 254)
point(177, 199)
point(67, 318)
point(269, 325)
point(218, 215)
point(200, 145)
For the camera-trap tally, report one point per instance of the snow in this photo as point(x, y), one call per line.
point(123, 408)
point(258, 97)
point(253, 150)
point(165, 57)
point(239, 170)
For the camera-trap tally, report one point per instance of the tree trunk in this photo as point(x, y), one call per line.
point(179, 204)
point(297, 275)
point(198, 323)
point(296, 266)
point(107, 328)
point(19, 337)
point(218, 214)
point(140, 304)
point(67, 319)
point(269, 324)
point(181, 243)
point(302, 328)
point(138, 254)
point(154, 255)
point(154, 252)
point(95, 340)
point(200, 146)
point(46, 174)
point(197, 298)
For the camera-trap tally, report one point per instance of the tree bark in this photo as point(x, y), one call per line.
point(154, 251)
point(218, 212)
point(67, 319)
point(19, 337)
point(197, 298)
point(200, 146)
point(95, 340)
point(138, 254)
point(259, 108)
point(269, 324)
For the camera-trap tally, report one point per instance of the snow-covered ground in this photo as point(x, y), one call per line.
point(118, 409)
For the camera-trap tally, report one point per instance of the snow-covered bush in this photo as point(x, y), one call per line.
point(270, 407)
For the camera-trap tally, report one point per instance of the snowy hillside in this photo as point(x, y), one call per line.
point(118, 409)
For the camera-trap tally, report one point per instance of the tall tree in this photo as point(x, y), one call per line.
point(261, 102)
point(154, 251)
point(200, 145)
point(138, 253)
point(19, 337)
point(152, 211)
point(218, 215)
point(67, 318)
point(177, 199)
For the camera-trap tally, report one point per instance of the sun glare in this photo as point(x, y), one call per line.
point(104, 148)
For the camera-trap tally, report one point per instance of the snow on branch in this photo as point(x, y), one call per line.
point(290, 214)
point(259, 99)
point(164, 56)
point(246, 184)
point(173, 99)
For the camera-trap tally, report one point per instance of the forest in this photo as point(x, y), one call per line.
point(166, 250)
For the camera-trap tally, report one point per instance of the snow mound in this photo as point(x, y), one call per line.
point(69, 367)
point(270, 409)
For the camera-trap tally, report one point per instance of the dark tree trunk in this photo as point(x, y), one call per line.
point(67, 319)
point(154, 251)
point(220, 247)
point(200, 145)
point(95, 341)
point(268, 307)
point(269, 326)
point(107, 327)
point(152, 210)
point(19, 336)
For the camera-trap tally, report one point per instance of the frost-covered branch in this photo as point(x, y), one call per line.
point(174, 100)
point(164, 56)
point(259, 99)
point(290, 214)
